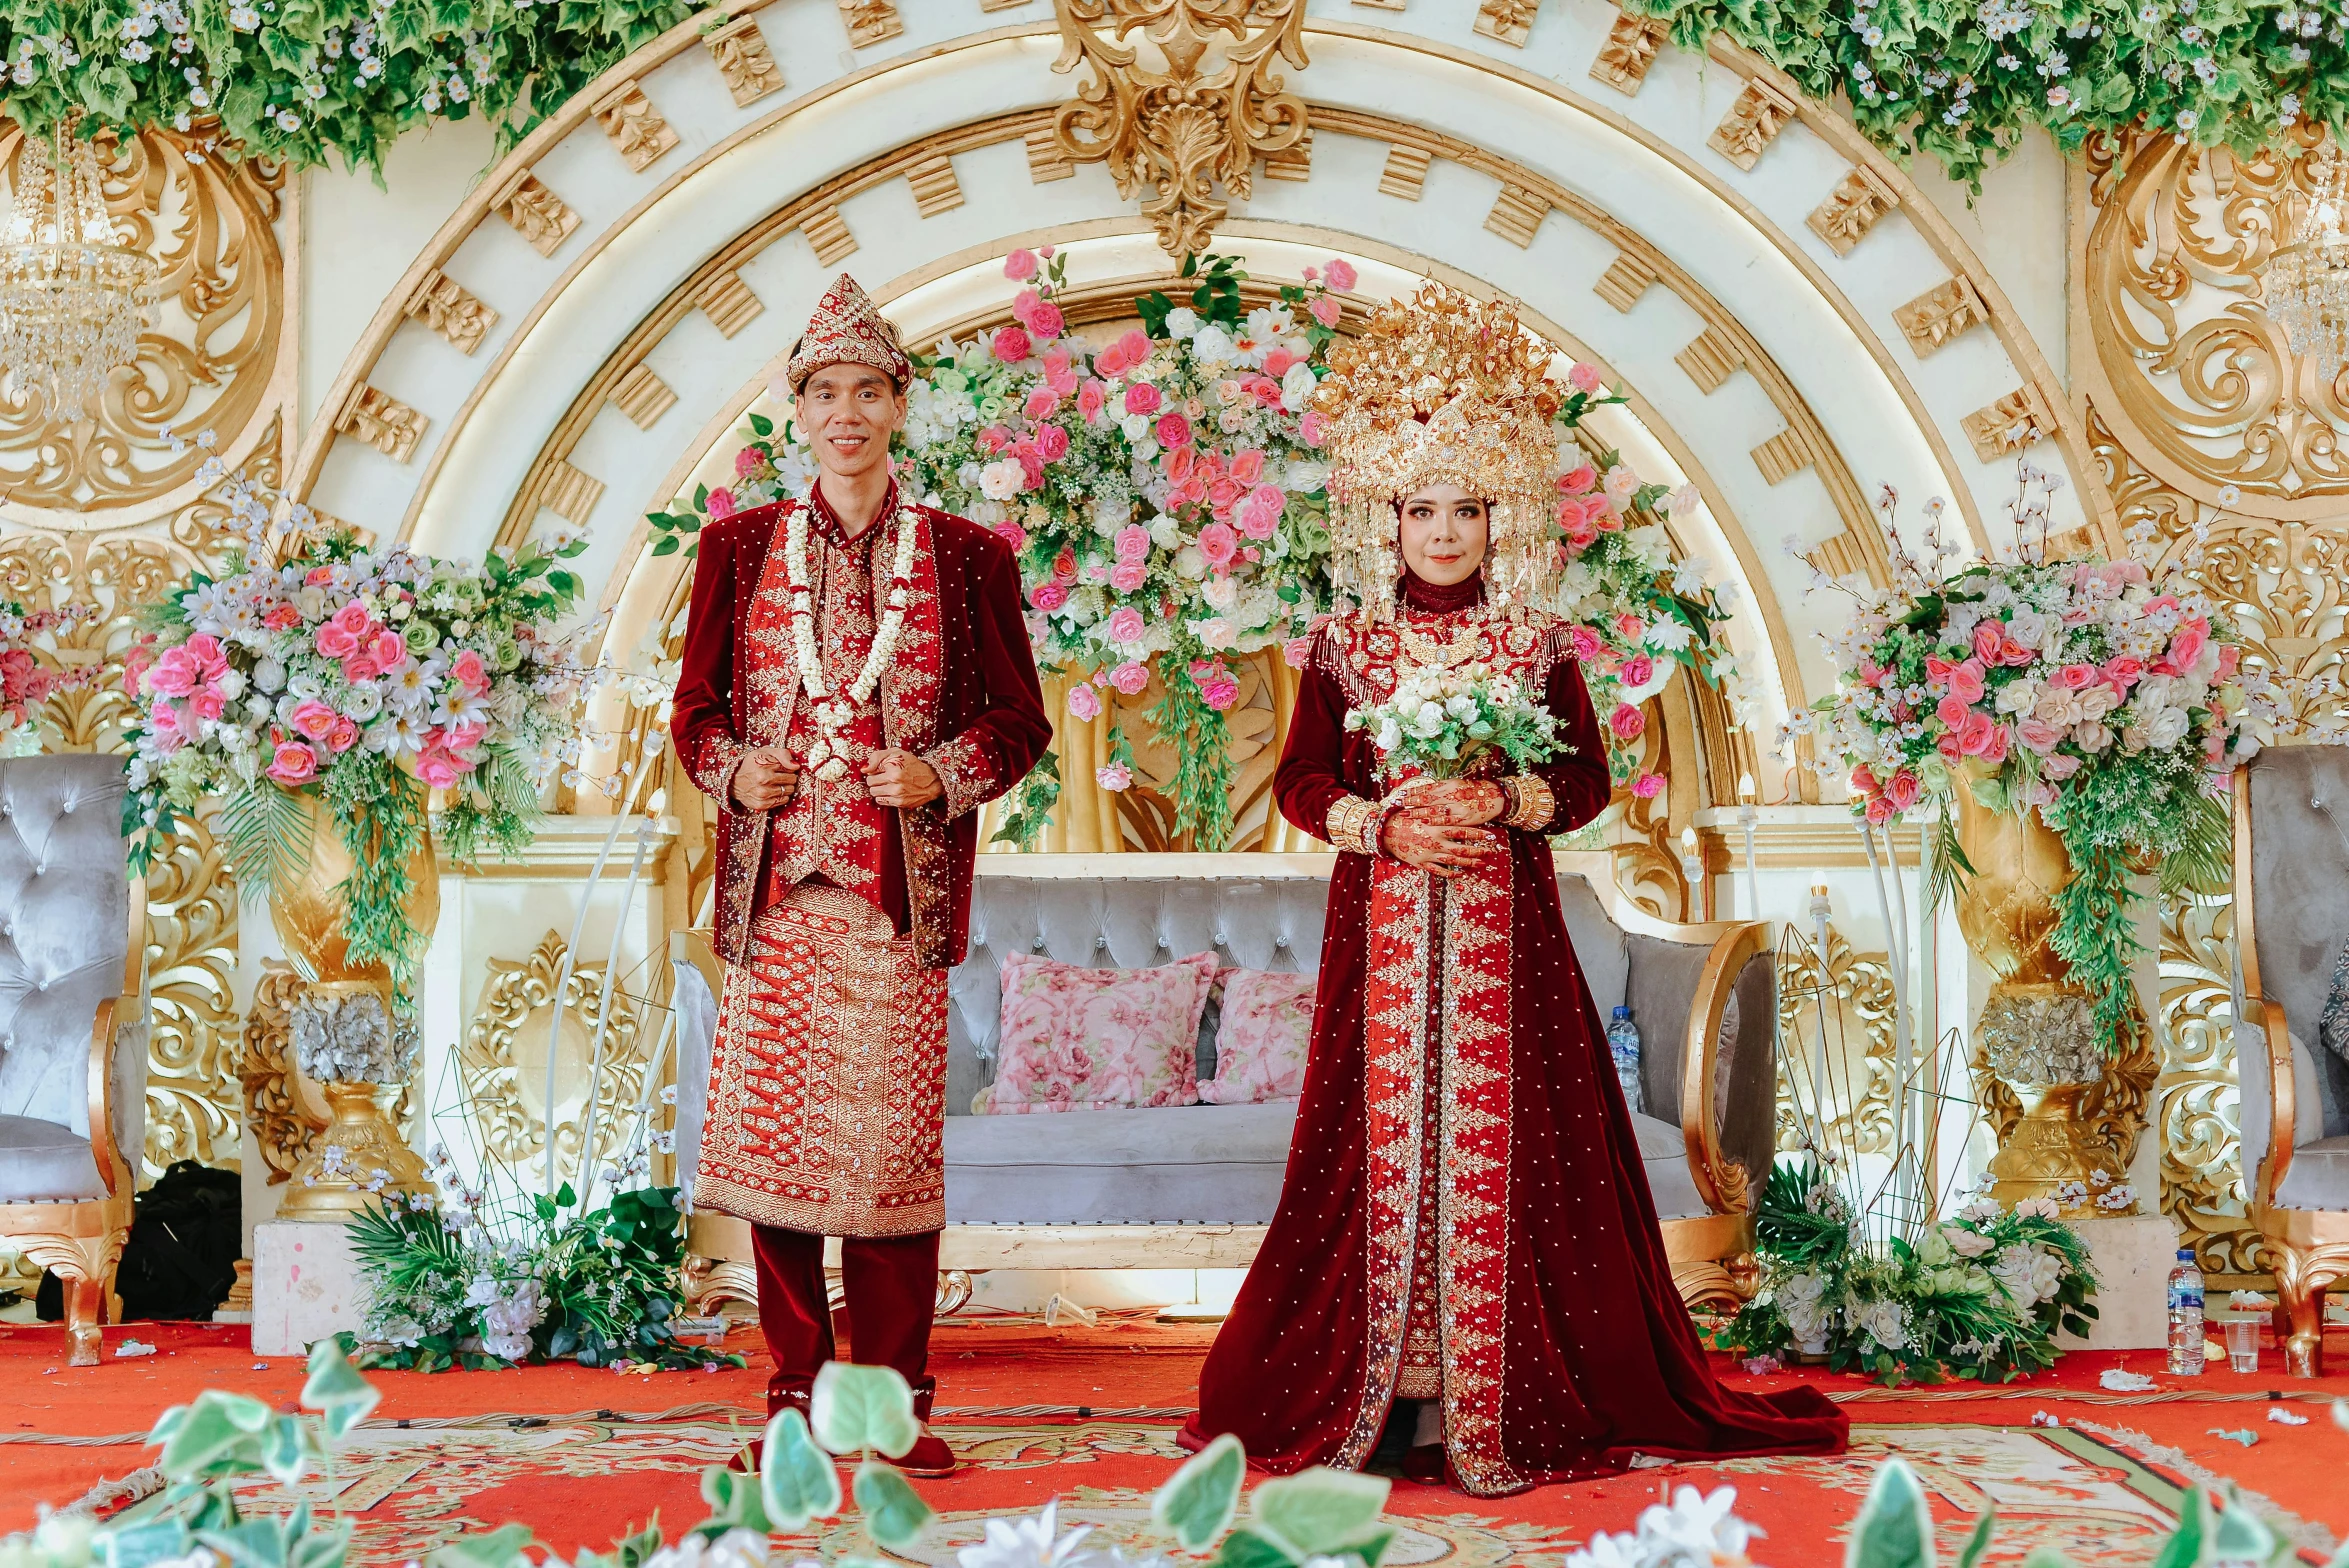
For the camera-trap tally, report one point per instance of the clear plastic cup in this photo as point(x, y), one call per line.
point(2242, 1344)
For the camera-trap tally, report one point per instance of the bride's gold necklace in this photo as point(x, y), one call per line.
point(1464, 645)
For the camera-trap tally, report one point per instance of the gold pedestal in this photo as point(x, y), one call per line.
point(2042, 1067)
point(359, 1160)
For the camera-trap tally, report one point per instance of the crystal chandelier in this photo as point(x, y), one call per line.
point(73, 296)
point(2308, 281)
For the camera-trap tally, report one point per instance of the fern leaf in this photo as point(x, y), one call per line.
point(266, 833)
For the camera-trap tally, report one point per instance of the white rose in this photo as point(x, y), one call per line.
point(2166, 728)
point(1428, 722)
point(1967, 1243)
point(1000, 481)
point(1390, 733)
point(1297, 386)
point(1182, 322)
point(1190, 563)
point(1211, 345)
point(1220, 592)
point(1215, 633)
point(1135, 426)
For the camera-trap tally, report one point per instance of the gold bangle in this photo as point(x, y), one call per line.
point(1352, 822)
point(1531, 802)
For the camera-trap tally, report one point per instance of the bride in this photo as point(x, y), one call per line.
point(1465, 1244)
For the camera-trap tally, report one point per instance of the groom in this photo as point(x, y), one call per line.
point(856, 683)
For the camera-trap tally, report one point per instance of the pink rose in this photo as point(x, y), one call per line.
point(1172, 430)
point(1339, 274)
point(2075, 677)
point(1064, 565)
point(1903, 790)
point(438, 769)
point(1091, 398)
point(2188, 642)
point(1217, 687)
point(1114, 776)
point(163, 728)
point(361, 667)
point(2039, 735)
point(1024, 308)
point(344, 735)
point(1298, 652)
point(1130, 677)
point(1128, 351)
point(1011, 345)
point(2229, 657)
point(1994, 751)
point(1310, 427)
point(1012, 534)
point(282, 617)
point(1046, 321)
point(293, 763)
point(207, 702)
point(1585, 642)
point(1965, 681)
point(1219, 544)
point(1040, 403)
point(1248, 467)
point(1584, 377)
point(1973, 736)
point(1327, 311)
point(1060, 372)
point(1863, 779)
point(1277, 363)
point(332, 640)
point(1638, 670)
point(1647, 786)
point(388, 648)
point(1142, 398)
point(1129, 576)
point(466, 669)
point(1951, 712)
point(209, 658)
point(2121, 674)
point(1879, 809)
point(314, 719)
point(2061, 766)
point(720, 503)
point(1627, 721)
point(173, 675)
point(748, 461)
point(1578, 481)
point(1049, 596)
point(1020, 265)
point(1084, 701)
point(1125, 624)
point(1133, 543)
point(1987, 636)
point(1051, 443)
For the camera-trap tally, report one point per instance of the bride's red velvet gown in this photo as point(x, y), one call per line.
point(1464, 1215)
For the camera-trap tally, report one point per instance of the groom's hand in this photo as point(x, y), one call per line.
point(901, 779)
point(766, 780)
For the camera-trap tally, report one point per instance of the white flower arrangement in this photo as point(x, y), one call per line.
point(1445, 723)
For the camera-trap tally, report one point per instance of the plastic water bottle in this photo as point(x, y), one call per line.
point(1623, 1045)
point(2185, 1316)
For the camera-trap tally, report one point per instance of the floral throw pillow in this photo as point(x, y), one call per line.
point(1078, 1039)
point(1260, 1044)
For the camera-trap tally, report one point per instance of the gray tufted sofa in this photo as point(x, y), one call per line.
point(73, 1028)
point(1191, 1186)
point(2292, 918)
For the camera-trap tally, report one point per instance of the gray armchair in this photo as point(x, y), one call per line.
point(1191, 1186)
point(73, 1029)
point(2291, 919)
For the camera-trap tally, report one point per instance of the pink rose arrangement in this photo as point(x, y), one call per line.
point(360, 680)
point(26, 682)
point(2108, 696)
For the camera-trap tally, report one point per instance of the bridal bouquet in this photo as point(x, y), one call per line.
point(1442, 724)
point(2107, 695)
point(316, 672)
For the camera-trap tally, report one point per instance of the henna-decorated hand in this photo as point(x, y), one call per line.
point(1440, 849)
point(1456, 802)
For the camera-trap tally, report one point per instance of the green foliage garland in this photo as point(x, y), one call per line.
point(1962, 81)
point(313, 82)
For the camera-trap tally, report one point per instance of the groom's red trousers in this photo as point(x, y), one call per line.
point(891, 1284)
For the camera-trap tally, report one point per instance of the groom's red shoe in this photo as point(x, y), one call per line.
point(929, 1458)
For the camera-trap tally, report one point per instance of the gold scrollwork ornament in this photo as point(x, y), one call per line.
point(503, 1063)
point(1185, 128)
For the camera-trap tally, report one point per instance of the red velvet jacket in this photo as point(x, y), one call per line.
point(961, 693)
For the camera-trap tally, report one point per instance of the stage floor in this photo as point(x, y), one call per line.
point(1088, 1415)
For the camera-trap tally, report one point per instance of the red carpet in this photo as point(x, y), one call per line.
point(1087, 1415)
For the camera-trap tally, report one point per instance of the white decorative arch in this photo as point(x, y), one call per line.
point(1754, 313)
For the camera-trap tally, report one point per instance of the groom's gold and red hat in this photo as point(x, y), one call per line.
point(847, 329)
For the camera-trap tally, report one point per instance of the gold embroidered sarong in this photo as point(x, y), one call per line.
point(828, 1079)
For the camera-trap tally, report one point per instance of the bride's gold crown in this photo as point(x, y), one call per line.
point(1442, 389)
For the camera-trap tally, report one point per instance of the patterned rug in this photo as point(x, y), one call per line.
point(582, 1481)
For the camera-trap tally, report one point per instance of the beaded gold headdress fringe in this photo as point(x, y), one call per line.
point(1442, 389)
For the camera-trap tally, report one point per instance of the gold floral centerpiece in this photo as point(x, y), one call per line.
point(344, 706)
point(2060, 725)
